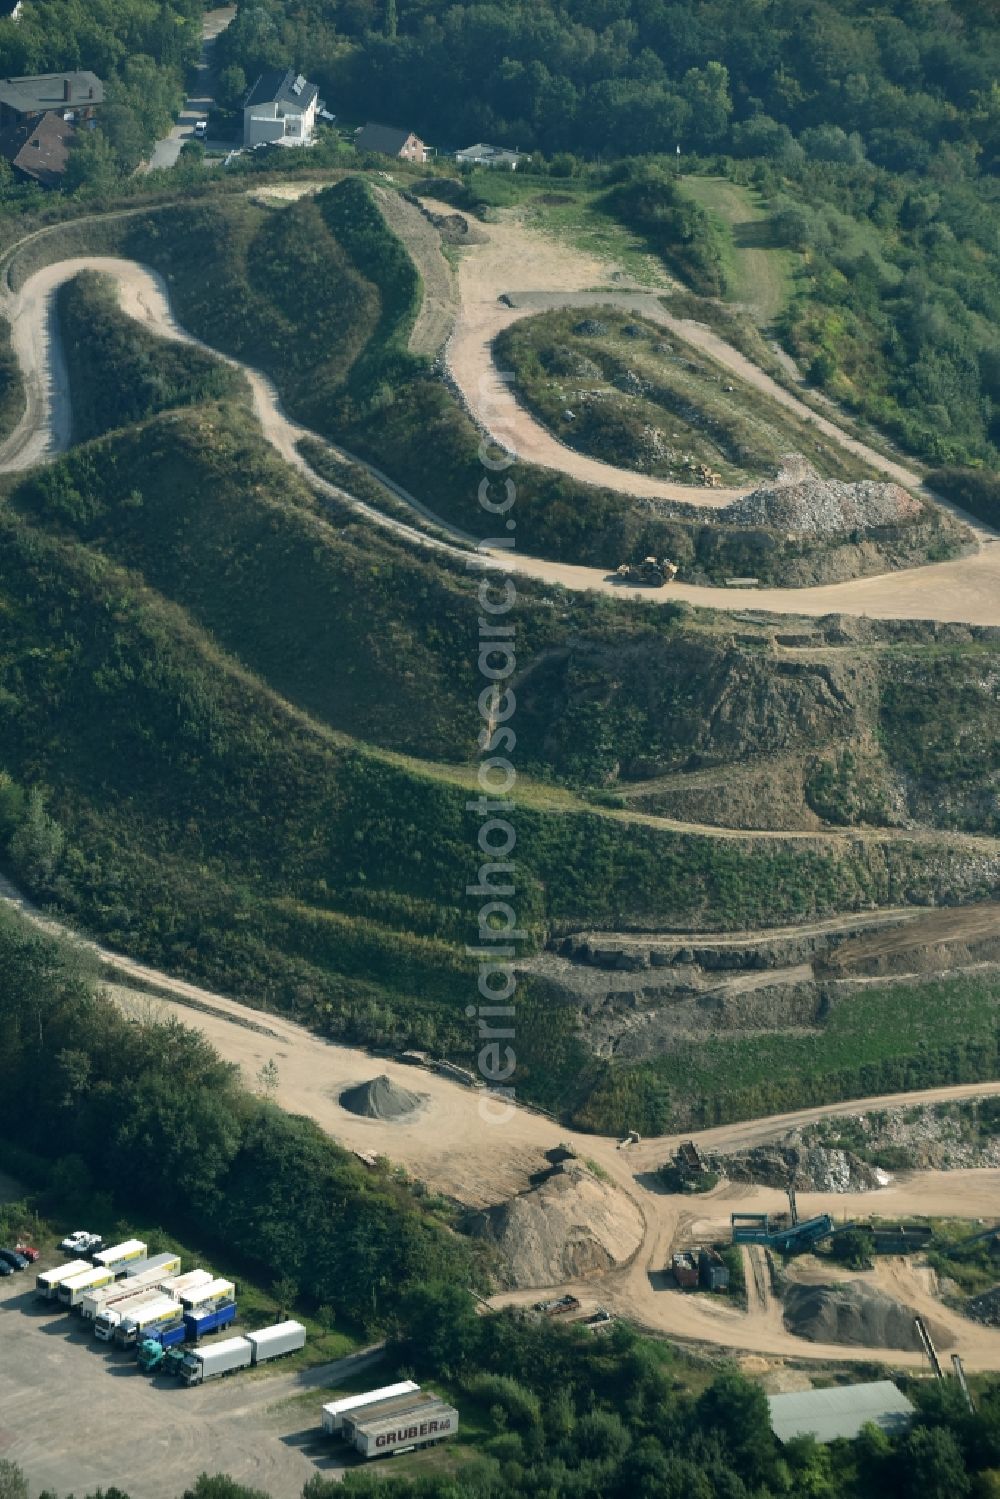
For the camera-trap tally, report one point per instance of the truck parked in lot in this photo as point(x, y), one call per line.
point(226, 1357)
point(185, 1287)
point(119, 1256)
point(197, 1324)
point(685, 1268)
point(215, 1292)
point(151, 1276)
point(157, 1267)
point(383, 1435)
point(72, 1290)
point(48, 1282)
point(276, 1341)
point(148, 1321)
point(109, 1317)
point(258, 1347)
point(201, 1321)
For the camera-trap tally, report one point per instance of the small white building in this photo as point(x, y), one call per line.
point(280, 108)
point(489, 156)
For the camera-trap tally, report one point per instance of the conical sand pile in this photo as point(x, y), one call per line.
point(381, 1098)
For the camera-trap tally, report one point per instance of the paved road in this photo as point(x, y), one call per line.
point(200, 100)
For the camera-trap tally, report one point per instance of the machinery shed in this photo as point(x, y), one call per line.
point(840, 1412)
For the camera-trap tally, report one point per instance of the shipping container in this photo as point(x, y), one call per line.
point(120, 1255)
point(109, 1317)
point(273, 1342)
point(220, 1358)
point(48, 1282)
point(74, 1287)
point(334, 1413)
point(430, 1422)
point(144, 1321)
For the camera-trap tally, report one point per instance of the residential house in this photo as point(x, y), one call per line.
point(38, 118)
point(489, 156)
point(387, 140)
point(39, 149)
point(280, 109)
point(73, 96)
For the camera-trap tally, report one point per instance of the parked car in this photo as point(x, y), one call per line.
point(29, 1251)
point(13, 1259)
point(200, 129)
point(81, 1241)
point(5, 1269)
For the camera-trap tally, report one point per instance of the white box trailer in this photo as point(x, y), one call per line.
point(72, 1290)
point(110, 1295)
point(334, 1413)
point(211, 1294)
point(384, 1410)
point(141, 1322)
point(185, 1287)
point(273, 1342)
point(121, 1255)
point(222, 1358)
point(428, 1423)
point(48, 1282)
point(110, 1317)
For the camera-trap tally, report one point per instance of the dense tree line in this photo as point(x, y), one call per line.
point(153, 1110)
point(630, 77)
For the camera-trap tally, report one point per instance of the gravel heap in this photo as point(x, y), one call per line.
point(381, 1098)
point(791, 1162)
point(928, 1137)
point(985, 1308)
point(800, 501)
point(570, 1226)
point(855, 1314)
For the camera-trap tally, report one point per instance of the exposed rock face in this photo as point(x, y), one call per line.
point(570, 1226)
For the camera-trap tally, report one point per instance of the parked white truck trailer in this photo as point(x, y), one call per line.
point(423, 1424)
point(121, 1255)
point(274, 1342)
point(222, 1358)
point(334, 1413)
point(212, 1293)
point(141, 1322)
point(110, 1317)
point(158, 1266)
point(48, 1282)
point(239, 1353)
point(72, 1290)
point(164, 1265)
point(186, 1287)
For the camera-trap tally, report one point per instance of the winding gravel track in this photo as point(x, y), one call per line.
point(966, 590)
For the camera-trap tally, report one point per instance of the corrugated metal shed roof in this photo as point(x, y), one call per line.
point(841, 1412)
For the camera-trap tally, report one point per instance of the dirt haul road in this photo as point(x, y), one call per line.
point(966, 591)
point(536, 272)
point(466, 1146)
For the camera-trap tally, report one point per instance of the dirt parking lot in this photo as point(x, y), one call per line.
point(77, 1415)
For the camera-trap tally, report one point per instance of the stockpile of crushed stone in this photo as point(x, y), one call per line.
point(823, 507)
point(381, 1099)
point(852, 1313)
point(570, 1226)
